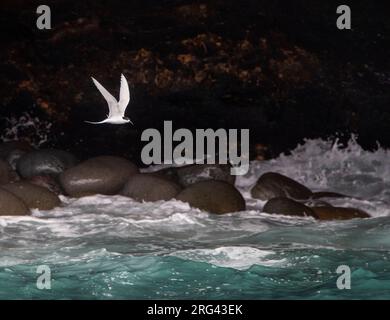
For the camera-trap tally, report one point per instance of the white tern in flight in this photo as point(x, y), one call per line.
point(116, 113)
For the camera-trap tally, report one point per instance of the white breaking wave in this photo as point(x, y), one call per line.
point(240, 258)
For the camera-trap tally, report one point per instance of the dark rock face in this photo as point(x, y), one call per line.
point(101, 175)
point(148, 187)
point(45, 162)
point(191, 174)
point(35, 197)
point(271, 185)
point(213, 196)
point(11, 205)
point(196, 59)
point(339, 213)
point(288, 207)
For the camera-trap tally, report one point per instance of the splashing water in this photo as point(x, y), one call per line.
point(105, 247)
point(36, 130)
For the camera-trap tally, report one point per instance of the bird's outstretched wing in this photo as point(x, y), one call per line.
point(111, 101)
point(124, 95)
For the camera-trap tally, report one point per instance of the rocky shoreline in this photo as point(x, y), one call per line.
point(34, 179)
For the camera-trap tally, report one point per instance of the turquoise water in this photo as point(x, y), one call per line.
point(105, 247)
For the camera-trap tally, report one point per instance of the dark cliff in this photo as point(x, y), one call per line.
point(281, 69)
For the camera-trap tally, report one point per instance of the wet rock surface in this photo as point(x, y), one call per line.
point(272, 185)
point(213, 196)
point(338, 213)
point(100, 175)
point(149, 187)
point(288, 197)
point(288, 207)
point(35, 197)
point(11, 205)
point(207, 187)
point(45, 162)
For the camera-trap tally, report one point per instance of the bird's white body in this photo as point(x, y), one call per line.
point(112, 120)
point(116, 114)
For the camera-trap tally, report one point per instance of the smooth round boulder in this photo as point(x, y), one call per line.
point(44, 162)
point(339, 213)
point(272, 185)
point(213, 196)
point(149, 187)
point(100, 175)
point(288, 207)
point(35, 197)
point(11, 205)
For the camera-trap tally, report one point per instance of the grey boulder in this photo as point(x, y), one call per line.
point(339, 213)
point(213, 196)
point(322, 211)
point(35, 197)
point(289, 207)
point(45, 162)
point(100, 175)
point(149, 187)
point(272, 185)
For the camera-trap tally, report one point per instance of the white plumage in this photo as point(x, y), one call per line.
point(116, 110)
